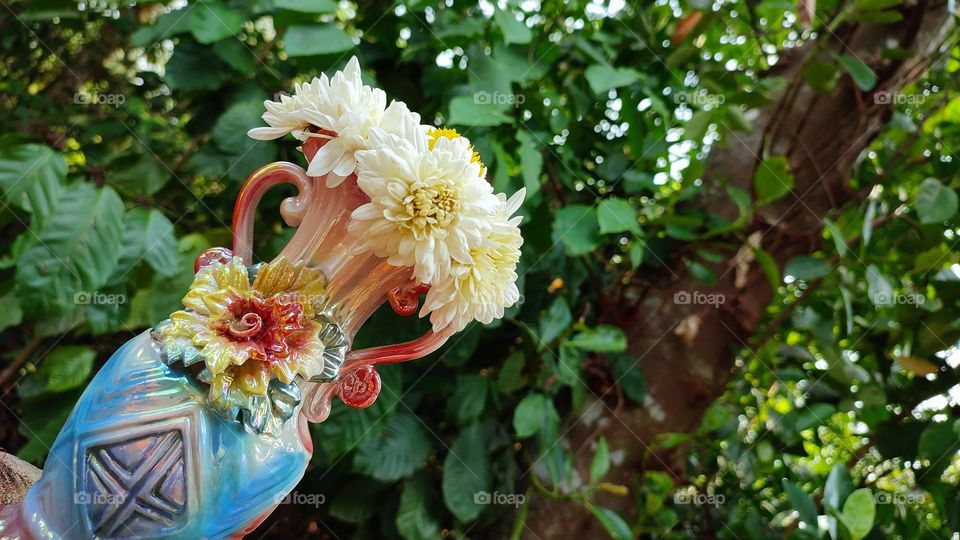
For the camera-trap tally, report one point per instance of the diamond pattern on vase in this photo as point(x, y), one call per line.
point(137, 486)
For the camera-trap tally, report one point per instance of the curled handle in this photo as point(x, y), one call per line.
point(292, 209)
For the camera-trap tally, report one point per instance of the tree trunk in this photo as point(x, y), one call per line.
point(687, 351)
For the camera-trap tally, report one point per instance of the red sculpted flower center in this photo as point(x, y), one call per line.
point(249, 319)
point(245, 327)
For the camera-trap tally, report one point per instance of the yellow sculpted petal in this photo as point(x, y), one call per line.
point(310, 361)
point(286, 370)
point(214, 278)
point(307, 285)
point(253, 378)
point(184, 324)
point(219, 354)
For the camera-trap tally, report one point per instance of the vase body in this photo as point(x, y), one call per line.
point(142, 456)
point(146, 454)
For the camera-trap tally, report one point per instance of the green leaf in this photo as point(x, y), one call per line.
point(937, 443)
point(838, 487)
point(603, 338)
point(143, 177)
point(236, 54)
point(821, 76)
point(701, 272)
point(358, 501)
point(314, 39)
point(935, 202)
point(230, 134)
point(577, 227)
point(611, 521)
point(532, 413)
point(617, 215)
point(601, 461)
point(31, 176)
point(514, 31)
point(568, 365)
point(629, 377)
point(75, 253)
point(879, 288)
point(210, 22)
point(416, 514)
point(466, 474)
point(769, 267)
point(862, 75)
point(66, 368)
point(306, 6)
point(230, 131)
point(193, 67)
point(149, 237)
point(555, 320)
point(531, 163)
point(401, 448)
point(511, 377)
point(875, 5)
point(603, 77)
point(476, 110)
point(858, 513)
point(637, 249)
point(806, 268)
point(801, 502)
point(837, 236)
point(740, 197)
point(11, 314)
point(167, 25)
point(772, 179)
point(468, 399)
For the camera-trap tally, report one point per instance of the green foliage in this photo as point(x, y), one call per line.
point(125, 145)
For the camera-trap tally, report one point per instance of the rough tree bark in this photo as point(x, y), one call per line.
point(687, 352)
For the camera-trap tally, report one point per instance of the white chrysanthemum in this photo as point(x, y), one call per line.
point(346, 109)
point(483, 288)
point(292, 114)
point(428, 206)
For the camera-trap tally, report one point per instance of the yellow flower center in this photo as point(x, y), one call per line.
point(432, 206)
point(447, 133)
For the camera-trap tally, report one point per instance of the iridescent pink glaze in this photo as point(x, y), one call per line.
point(359, 281)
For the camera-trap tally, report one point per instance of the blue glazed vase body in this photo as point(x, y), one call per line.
point(145, 457)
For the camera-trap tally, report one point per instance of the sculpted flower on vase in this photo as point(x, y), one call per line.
point(248, 332)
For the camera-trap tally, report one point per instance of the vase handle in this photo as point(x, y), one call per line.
point(359, 383)
point(292, 209)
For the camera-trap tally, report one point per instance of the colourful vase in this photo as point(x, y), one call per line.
point(157, 447)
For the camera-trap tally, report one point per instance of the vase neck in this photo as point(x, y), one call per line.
point(358, 280)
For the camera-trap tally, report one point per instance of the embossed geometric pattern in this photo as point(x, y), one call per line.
point(136, 487)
